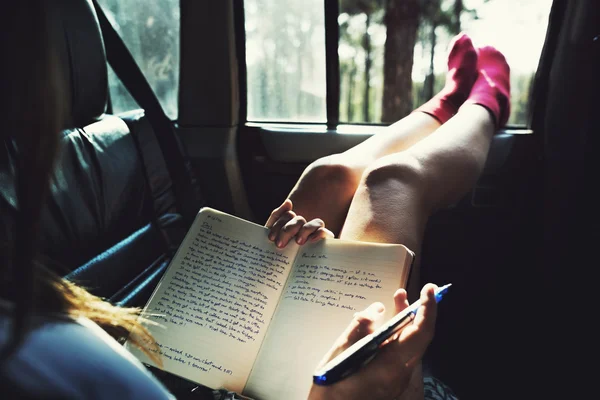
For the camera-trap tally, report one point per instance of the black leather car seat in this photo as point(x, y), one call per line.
point(96, 228)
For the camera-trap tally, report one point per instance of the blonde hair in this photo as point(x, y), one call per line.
point(119, 322)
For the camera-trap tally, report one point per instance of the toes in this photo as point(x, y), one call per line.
point(461, 42)
point(490, 53)
point(462, 53)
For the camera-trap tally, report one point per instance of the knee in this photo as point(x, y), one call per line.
point(394, 181)
point(393, 171)
point(332, 172)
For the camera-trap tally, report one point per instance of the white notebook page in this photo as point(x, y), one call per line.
point(331, 281)
point(216, 300)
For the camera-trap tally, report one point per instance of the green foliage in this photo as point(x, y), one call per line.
point(285, 49)
point(150, 29)
point(285, 60)
point(436, 17)
point(354, 7)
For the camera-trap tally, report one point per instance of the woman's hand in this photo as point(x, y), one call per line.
point(387, 376)
point(284, 225)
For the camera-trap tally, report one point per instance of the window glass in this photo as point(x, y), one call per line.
point(150, 29)
point(285, 58)
point(424, 28)
point(120, 99)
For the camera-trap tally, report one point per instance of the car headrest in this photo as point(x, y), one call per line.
point(77, 38)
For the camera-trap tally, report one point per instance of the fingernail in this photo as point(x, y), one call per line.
point(280, 244)
point(299, 240)
point(271, 236)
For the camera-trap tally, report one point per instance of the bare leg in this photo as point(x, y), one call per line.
point(396, 137)
point(399, 192)
point(338, 175)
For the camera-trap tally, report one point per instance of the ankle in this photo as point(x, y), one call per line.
point(462, 74)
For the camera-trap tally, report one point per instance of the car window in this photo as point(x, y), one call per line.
point(150, 29)
point(286, 60)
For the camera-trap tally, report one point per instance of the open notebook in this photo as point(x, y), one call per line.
point(236, 312)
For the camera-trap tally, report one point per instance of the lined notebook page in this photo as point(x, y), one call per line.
point(330, 281)
point(215, 301)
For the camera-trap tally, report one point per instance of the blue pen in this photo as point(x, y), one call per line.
point(363, 351)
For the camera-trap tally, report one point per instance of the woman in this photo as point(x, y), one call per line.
point(385, 189)
point(57, 340)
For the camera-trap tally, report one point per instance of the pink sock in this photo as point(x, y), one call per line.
point(462, 73)
point(492, 88)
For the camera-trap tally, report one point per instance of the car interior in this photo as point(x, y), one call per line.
point(170, 115)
